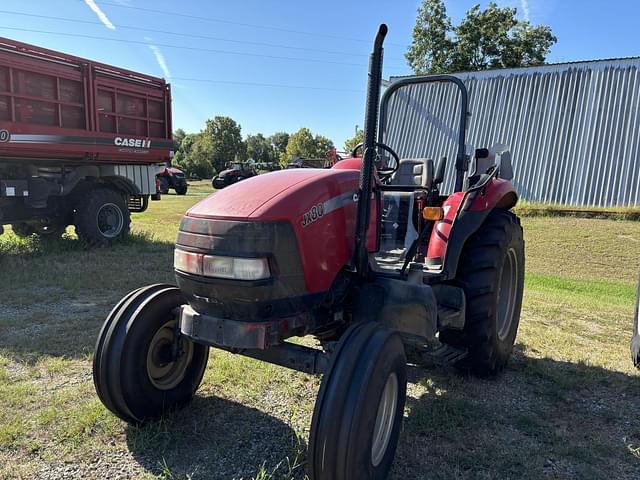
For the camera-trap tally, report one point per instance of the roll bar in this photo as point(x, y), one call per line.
point(462, 159)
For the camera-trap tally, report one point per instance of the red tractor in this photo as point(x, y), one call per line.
point(233, 173)
point(318, 252)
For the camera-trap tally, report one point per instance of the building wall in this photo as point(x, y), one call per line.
point(573, 129)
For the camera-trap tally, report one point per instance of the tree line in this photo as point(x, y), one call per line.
point(220, 142)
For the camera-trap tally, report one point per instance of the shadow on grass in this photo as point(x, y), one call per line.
point(57, 293)
point(14, 246)
point(215, 438)
point(540, 418)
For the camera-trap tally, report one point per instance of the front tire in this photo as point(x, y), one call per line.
point(358, 412)
point(142, 367)
point(102, 217)
point(491, 272)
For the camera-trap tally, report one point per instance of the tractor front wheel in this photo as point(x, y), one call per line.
point(358, 412)
point(491, 272)
point(142, 366)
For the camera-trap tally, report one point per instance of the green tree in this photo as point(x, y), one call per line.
point(194, 155)
point(259, 148)
point(178, 136)
point(223, 140)
point(350, 144)
point(490, 38)
point(304, 144)
point(279, 141)
point(431, 47)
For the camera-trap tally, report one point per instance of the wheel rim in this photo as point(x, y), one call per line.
point(110, 220)
point(507, 294)
point(166, 368)
point(384, 419)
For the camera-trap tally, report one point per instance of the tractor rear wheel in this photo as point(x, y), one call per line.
point(358, 412)
point(491, 272)
point(142, 366)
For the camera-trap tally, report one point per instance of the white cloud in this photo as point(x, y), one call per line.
point(161, 60)
point(525, 9)
point(100, 14)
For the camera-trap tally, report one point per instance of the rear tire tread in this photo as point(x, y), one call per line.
point(478, 275)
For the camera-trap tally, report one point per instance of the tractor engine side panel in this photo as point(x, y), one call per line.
point(319, 204)
point(323, 214)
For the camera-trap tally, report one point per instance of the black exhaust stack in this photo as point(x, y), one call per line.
point(361, 255)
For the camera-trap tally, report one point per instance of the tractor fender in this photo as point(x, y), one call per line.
point(465, 212)
point(409, 308)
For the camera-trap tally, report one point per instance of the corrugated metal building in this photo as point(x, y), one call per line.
point(573, 128)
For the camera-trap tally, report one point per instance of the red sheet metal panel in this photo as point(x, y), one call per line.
point(59, 107)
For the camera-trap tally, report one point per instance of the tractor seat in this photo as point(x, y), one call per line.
point(414, 172)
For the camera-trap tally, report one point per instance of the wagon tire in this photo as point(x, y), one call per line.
point(102, 217)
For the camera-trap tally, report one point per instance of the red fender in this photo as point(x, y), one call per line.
point(467, 211)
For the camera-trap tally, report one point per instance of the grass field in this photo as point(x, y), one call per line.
point(567, 406)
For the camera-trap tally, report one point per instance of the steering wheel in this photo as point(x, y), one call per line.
point(384, 172)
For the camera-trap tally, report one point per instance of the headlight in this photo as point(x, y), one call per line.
point(216, 266)
point(187, 262)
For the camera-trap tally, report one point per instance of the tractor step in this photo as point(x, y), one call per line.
point(450, 317)
point(445, 355)
point(451, 307)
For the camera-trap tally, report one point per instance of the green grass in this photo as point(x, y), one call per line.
point(566, 406)
point(615, 213)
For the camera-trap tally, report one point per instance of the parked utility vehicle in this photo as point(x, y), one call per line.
point(80, 143)
point(174, 178)
point(316, 252)
point(233, 173)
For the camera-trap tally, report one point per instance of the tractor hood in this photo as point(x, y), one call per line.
point(240, 200)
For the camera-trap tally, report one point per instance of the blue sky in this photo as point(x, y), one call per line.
point(321, 47)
